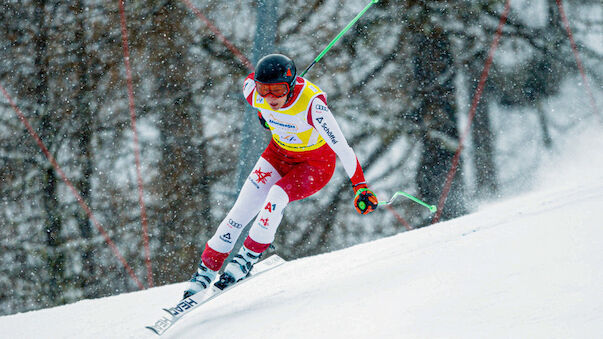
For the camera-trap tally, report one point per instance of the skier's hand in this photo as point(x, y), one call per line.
point(365, 200)
point(262, 120)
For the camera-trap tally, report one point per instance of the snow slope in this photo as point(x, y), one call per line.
point(529, 267)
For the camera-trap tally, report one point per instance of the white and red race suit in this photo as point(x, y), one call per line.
point(299, 161)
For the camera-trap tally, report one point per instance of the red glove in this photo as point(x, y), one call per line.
point(365, 200)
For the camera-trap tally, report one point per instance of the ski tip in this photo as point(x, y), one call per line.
point(153, 329)
point(161, 325)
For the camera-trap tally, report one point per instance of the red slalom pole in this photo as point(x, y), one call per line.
point(79, 198)
point(577, 56)
point(476, 98)
point(143, 213)
point(399, 218)
point(219, 35)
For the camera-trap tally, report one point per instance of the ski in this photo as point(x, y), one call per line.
point(186, 305)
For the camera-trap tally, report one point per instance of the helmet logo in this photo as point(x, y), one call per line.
point(289, 72)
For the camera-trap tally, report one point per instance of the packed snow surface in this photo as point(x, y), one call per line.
point(528, 267)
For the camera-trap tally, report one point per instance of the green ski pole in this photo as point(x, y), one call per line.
point(432, 208)
point(324, 51)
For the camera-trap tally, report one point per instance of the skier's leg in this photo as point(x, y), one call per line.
point(249, 201)
point(302, 181)
point(264, 227)
point(254, 191)
point(269, 217)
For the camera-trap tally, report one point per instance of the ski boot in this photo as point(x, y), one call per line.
point(238, 268)
point(199, 281)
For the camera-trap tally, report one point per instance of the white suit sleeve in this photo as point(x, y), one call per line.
point(324, 122)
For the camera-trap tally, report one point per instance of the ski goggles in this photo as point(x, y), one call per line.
point(277, 90)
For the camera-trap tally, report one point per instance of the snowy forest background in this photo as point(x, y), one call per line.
point(400, 83)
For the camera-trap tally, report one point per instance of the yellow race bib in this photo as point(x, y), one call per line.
point(289, 125)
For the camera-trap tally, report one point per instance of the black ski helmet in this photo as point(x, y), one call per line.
point(275, 68)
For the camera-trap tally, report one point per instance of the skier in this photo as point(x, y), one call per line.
point(298, 162)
